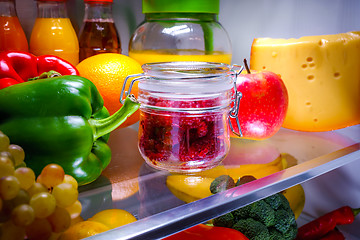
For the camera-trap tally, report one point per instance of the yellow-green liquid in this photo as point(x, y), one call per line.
point(151, 56)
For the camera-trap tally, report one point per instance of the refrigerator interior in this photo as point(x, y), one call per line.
point(244, 21)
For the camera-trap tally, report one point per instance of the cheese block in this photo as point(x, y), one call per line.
point(321, 74)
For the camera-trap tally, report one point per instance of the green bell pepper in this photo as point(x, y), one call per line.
point(61, 120)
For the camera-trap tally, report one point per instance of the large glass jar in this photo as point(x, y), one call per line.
point(184, 30)
point(184, 114)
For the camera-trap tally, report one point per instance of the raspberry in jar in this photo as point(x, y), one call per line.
point(184, 114)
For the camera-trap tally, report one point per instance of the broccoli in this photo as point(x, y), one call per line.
point(241, 213)
point(226, 220)
point(262, 212)
point(252, 229)
point(291, 232)
point(244, 179)
point(221, 183)
point(275, 234)
point(275, 201)
point(267, 219)
point(284, 219)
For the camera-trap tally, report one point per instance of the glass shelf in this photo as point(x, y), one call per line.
point(128, 183)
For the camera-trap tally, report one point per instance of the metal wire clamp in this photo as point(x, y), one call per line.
point(137, 78)
point(234, 111)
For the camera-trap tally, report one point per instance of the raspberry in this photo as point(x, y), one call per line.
point(202, 129)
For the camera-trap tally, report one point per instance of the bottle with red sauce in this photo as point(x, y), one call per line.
point(98, 33)
point(12, 36)
point(184, 114)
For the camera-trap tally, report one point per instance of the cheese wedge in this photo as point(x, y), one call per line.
point(322, 76)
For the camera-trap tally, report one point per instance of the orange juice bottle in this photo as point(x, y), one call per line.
point(12, 36)
point(53, 32)
point(184, 30)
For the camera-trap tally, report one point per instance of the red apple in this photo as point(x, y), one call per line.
point(263, 104)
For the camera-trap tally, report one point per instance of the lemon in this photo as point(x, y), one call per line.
point(113, 218)
point(83, 229)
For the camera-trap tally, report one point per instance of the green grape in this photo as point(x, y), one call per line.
point(52, 175)
point(23, 215)
point(60, 220)
point(21, 198)
point(75, 209)
point(9, 187)
point(23, 164)
point(12, 232)
point(70, 179)
point(39, 229)
point(4, 142)
point(43, 204)
point(26, 176)
point(5, 212)
point(36, 188)
point(9, 205)
point(17, 152)
point(8, 155)
point(6, 166)
point(65, 194)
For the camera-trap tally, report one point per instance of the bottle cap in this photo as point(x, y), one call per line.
point(193, 6)
point(98, 1)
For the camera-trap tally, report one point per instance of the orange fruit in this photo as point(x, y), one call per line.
point(113, 218)
point(108, 72)
point(82, 230)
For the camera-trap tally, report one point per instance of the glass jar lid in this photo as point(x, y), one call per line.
point(188, 82)
point(185, 69)
point(187, 78)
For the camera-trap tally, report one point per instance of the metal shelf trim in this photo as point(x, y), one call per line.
point(168, 222)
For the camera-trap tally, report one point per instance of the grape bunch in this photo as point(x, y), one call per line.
point(34, 208)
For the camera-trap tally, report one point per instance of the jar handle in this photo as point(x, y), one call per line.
point(137, 78)
point(234, 111)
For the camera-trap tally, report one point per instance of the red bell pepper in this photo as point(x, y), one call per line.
point(202, 231)
point(333, 235)
point(326, 223)
point(17, 67)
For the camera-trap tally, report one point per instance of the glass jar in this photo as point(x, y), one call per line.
point(184, 30)
point(184, 114)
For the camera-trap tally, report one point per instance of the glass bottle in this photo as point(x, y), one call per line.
point(98, 33)
point(184, 114)
point(184, 30)
point(12, 36)
point(53, 32)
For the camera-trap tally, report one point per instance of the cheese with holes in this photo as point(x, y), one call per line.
point(322, 76)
